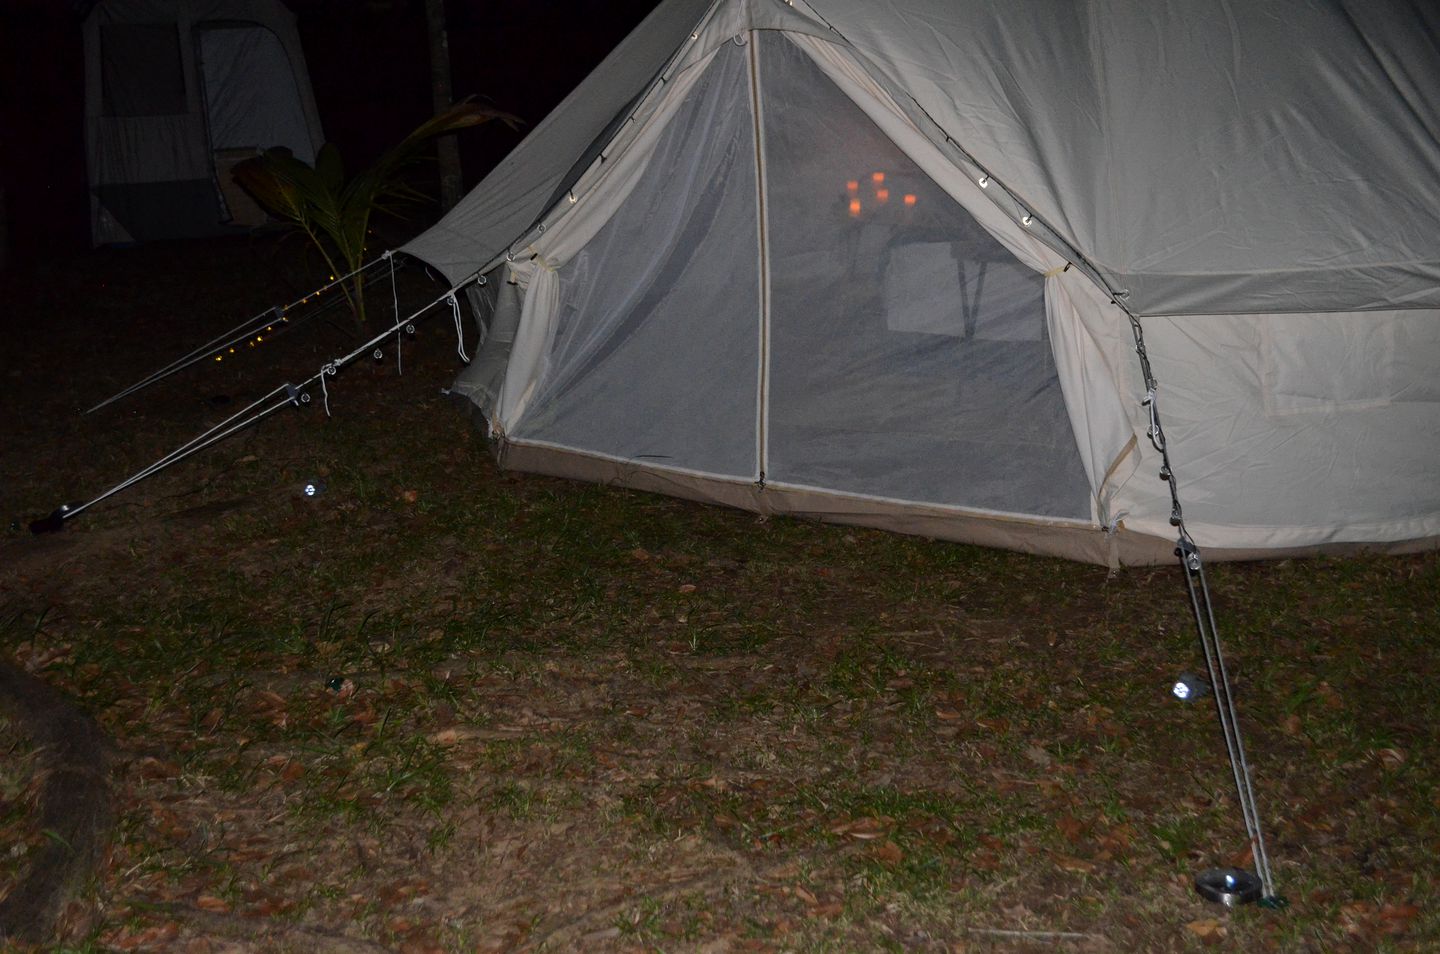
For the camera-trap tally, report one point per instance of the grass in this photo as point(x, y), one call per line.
point(445, 706)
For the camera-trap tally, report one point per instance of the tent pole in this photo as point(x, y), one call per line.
point(258, 324)
point(282, 396)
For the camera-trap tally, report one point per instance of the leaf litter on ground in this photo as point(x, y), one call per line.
point(446, 708)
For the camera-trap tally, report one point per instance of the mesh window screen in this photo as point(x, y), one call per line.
point(909, 357)
point(655, 357)
point(140, 70)
point(251, 98)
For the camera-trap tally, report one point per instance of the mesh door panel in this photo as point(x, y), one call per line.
point(909, 356)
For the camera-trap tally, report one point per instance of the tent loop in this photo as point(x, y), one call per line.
point(1156, 435)
point(327, 370)
point(740, 39)
point(459, 327)
point(395, 306)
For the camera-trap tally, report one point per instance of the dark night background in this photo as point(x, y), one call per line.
point(368, 65)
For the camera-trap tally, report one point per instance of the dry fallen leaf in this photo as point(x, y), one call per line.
point(208, 902)
point(1390, 759)
point(1209, 930)
point(1071, 827)
point(867, 828)
point(1038, 755)
point(1071, 863)
point(887, 852)
point(1396, 918)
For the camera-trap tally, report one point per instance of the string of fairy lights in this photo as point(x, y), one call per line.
point(278, 398)
point(260, 328)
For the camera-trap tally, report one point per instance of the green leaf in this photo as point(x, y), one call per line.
point(334, 212)
point(330, 166)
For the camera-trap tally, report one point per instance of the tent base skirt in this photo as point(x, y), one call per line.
point(1068, 540)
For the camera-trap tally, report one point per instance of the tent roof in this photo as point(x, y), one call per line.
point(1276, 155)
point(519, 189)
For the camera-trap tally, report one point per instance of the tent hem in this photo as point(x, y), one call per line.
point(1068, 540)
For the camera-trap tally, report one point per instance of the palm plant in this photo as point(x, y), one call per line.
point(334, 211)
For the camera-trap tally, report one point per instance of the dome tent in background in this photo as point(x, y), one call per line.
point(177, 92)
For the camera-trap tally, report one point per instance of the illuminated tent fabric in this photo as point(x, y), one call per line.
point(861, 261)
point(176, 93)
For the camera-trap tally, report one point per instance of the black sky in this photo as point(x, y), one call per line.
point(368, 66)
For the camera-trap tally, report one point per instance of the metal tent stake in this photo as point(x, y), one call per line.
point(1228, 886)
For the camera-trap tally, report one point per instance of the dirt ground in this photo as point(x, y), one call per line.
point(439, 707)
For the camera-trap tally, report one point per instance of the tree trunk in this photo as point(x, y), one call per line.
point(446, 147)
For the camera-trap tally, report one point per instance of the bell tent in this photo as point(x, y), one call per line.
point(937, 266)
point(177, 92)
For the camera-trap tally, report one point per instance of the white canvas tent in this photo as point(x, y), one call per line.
point(176, 93)
point(882, 262)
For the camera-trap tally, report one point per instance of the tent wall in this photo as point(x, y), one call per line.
point(847, 348)
point(1269, 156)
point(164, 79)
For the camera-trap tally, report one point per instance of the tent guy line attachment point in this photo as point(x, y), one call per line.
point(248, 330)
point(282, 396)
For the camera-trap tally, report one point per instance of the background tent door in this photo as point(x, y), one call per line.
point(252, 102)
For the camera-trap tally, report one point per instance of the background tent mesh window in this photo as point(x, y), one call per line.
point(909, 354)
point(141, 73)
point(251, 97)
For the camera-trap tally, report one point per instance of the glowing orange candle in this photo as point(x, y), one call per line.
point(882, 195)
point(852, 187)
point(909, 199)
point(877, 177)
point(854, 206)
